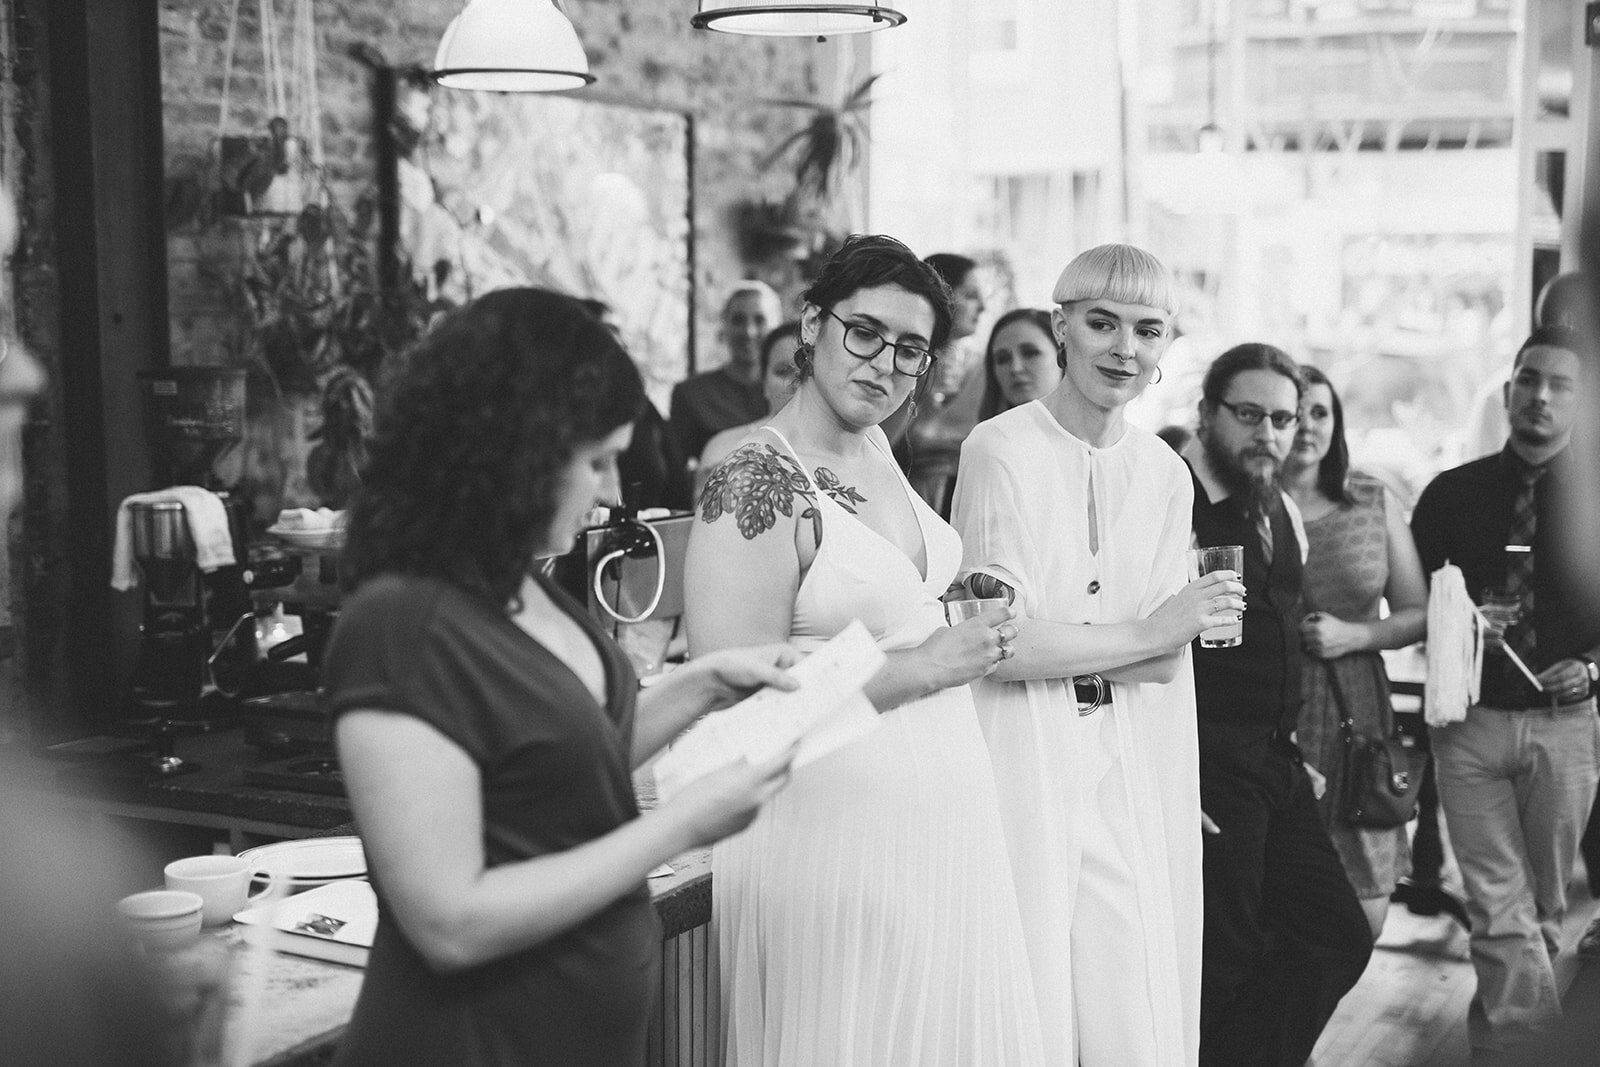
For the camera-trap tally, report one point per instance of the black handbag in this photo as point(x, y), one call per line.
point(1382, 775)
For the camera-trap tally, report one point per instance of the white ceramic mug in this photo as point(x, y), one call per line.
point(222, 882)
point(162, 919)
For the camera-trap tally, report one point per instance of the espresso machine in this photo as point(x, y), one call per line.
point(288, 722)
point(194, 417)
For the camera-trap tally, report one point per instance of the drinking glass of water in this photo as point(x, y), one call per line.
point(1203, 561)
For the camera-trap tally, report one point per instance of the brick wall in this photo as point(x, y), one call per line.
point(641, 51)
point(34, 569)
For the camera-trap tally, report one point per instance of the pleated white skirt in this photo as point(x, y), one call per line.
point(868, 917)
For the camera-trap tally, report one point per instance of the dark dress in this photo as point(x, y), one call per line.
point(1345, 575)
point(555, 774)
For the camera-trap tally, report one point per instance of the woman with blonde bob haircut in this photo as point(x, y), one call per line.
point(1083, 520)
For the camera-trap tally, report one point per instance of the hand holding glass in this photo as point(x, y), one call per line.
point(957, 612)
point(1203, 561)
point(1501, 610)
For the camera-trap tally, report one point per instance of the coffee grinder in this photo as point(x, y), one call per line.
point(193, 416)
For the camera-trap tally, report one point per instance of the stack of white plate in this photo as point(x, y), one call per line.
point(310, 862)
point(324, 538)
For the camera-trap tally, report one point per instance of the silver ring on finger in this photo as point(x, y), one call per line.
point(1005, 651)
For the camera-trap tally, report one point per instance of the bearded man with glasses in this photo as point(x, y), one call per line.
point(1285, 936)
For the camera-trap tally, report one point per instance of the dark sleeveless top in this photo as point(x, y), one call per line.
point(1251, 692)
point(555, 775)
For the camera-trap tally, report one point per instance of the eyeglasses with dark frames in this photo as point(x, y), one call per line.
point(864, 343)
point(1252, 414)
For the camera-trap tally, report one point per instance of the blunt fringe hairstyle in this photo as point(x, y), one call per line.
point(1252, 355)
point(472, 437)
point(1333, 472)
point(867, 261)
point(1117, 272)
point(994, 401)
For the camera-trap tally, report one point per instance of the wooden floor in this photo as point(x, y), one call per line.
point(1410, 1007)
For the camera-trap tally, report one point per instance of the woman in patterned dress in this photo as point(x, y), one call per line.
point(1361, 553)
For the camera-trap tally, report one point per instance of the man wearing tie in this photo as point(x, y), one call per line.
point(1285, 937)
point(1518, 776)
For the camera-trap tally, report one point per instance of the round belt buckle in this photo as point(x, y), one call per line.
point(1092, 693)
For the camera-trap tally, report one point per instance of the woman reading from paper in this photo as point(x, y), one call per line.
point(486, 726)
point(1085, 519)
point(867, 917)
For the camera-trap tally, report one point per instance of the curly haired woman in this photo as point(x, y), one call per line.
point(487, 727)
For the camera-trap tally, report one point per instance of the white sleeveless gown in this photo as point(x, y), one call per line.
point(868, 916)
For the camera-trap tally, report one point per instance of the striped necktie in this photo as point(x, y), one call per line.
point(1519, 564)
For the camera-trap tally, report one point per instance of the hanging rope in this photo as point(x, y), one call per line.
point(291, 81)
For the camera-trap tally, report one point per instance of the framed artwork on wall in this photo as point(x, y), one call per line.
point(586, 196)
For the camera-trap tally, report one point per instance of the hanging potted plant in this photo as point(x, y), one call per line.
point(319, 324)
point(823, 155)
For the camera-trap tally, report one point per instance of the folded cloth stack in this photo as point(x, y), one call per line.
point(208, 529)
point(1454, 649)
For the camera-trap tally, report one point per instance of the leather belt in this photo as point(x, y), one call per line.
point(1093, 693)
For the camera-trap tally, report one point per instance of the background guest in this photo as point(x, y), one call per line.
point(1020, 363)
point(730, 395)
point(777, 382)
point(1518, 776)
point(652, 470)
point(1361, 554)
point(946, 401)
point(869, 917)
point(486, 726)
point(1285, 937)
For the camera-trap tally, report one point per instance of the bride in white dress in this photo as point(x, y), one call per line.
point(868, 917)
point(1085, 519)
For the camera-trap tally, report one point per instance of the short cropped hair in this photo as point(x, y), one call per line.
point(759, 289)
point(1118, 272)
point(867, 261)
point(1562, 337)
point(1252, 355)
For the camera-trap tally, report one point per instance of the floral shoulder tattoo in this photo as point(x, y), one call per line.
point(755, 485)
point(844, 495)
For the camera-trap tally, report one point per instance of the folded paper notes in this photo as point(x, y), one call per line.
point(827, 711)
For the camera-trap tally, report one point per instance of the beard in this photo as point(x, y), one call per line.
point(1256, 485)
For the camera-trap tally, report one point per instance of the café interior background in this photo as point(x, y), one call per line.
point(1378, 185)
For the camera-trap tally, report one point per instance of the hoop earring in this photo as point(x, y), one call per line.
point(1157, 379)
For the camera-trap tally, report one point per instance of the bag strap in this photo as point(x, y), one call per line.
point(1347, 724)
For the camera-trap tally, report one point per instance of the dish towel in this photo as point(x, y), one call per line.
point(208, 528)
point(1454, 649)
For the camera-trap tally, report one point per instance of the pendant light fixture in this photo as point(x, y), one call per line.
point(788, 18)
point(511, 46)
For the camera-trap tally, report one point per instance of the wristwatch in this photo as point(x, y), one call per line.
point(1592, 667)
